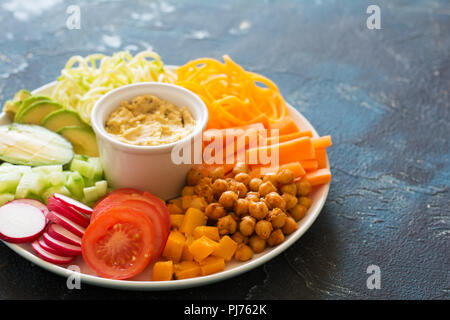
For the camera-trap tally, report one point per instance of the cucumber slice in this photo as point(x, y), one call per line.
point(82, 138)
point(84, 168)
point(36, 112)
point(75, 184)
point(95, 162)
point(102, 188)
point(62, 118)
point(48, 169)
point(31, 184)
point(9, 181)
point(52, 190)
point(91, 194)
point(33, 145)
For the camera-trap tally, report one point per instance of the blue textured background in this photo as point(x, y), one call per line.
point(383, 95)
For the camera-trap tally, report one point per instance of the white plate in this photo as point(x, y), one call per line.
point(142, 281)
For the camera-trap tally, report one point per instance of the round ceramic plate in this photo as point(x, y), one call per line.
point(143, 280)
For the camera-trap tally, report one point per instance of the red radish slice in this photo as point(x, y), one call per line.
point(35, 203)
point(77, 205)
point(63, 248)
point(74, 216)
point(66, 223)
point(44, 246)
point(62, 234)
point(21, 222)
point(50, 257)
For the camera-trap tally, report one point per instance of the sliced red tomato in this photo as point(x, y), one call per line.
point(119, 244)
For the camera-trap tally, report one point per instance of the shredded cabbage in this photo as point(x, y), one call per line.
point(85, 79)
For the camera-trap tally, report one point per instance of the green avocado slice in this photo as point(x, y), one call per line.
point(62, 118)
point(37, 111)
point(28, 102)
point(83, 140)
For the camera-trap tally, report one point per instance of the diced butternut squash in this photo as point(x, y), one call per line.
point(198, 203)
point(226, 249)
point(176, 202)
point(186, 202)
point(174, 246)
point(176, 220)
point(192, 218)
point(212, 265)
point(174, 209)
point(187, 255)
point(208, 231)
point(162, 271)
point(202, 247)
point(187, 269)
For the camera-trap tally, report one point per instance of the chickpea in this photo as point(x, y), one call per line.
point(303, 188)
point(240, 167)
point(243, 252)
point(266, 188)
point(243, 178)
point(298, 212)
point(227, 199)
point(247, 225)
point(289, 188)
point(204, 189)
point(239, 238)
point(252, 196)
point(239, 188)
point(227, 225)
point(285, 176)
point(289, 226)
point(254, 184)
point(290, 200)
point(219, 186)
point(305, 201)
point(193, 176)
point(272, 177)
point(257, 244)
point(241, 207)
point(263, 229)
point(277, 217)
point(258, 210)
point(214, 211)
point(275, 238)
point(217, 173)
point(274, 200)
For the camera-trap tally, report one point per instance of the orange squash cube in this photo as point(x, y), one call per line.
point(174, 209)
point(162, 271)
point(187, 269)
point(176, 220)
point(207, 231)
point(187, 255)
point(192, 218)
point(174, 246)
point(226, 248)
point(212, 265)
point(202, 248)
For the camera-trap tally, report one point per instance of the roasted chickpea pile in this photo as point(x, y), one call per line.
point(256, 212)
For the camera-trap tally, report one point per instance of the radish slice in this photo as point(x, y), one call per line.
point(74, 216)
point(66, 223)
point(50, 257)
point(63, 248)
point(62, 234)
point(45, 246)
point(35, 203)
point(21, 222)
point(77, 205)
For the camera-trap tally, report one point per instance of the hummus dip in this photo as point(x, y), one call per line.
point(149, 121)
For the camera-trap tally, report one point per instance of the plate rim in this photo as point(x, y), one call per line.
point(138, 285)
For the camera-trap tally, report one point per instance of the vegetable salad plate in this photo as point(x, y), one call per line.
point(143, 281)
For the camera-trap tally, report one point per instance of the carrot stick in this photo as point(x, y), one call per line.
point(295, 167)
point(318, 177)
point(289, 151)
point(310, 165)
point(322, 142)
point(321, 156)
point(290, 136)
point(285, 125)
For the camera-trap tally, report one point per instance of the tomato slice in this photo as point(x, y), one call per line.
point(119, 244)
point(141, 203)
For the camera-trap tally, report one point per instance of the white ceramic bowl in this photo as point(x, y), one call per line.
point(148, 168)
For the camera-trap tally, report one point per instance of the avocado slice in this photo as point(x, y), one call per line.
point(12, 106)
point(82, 138)
point(36, 112)
point(62, 118)
point(27, 102)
